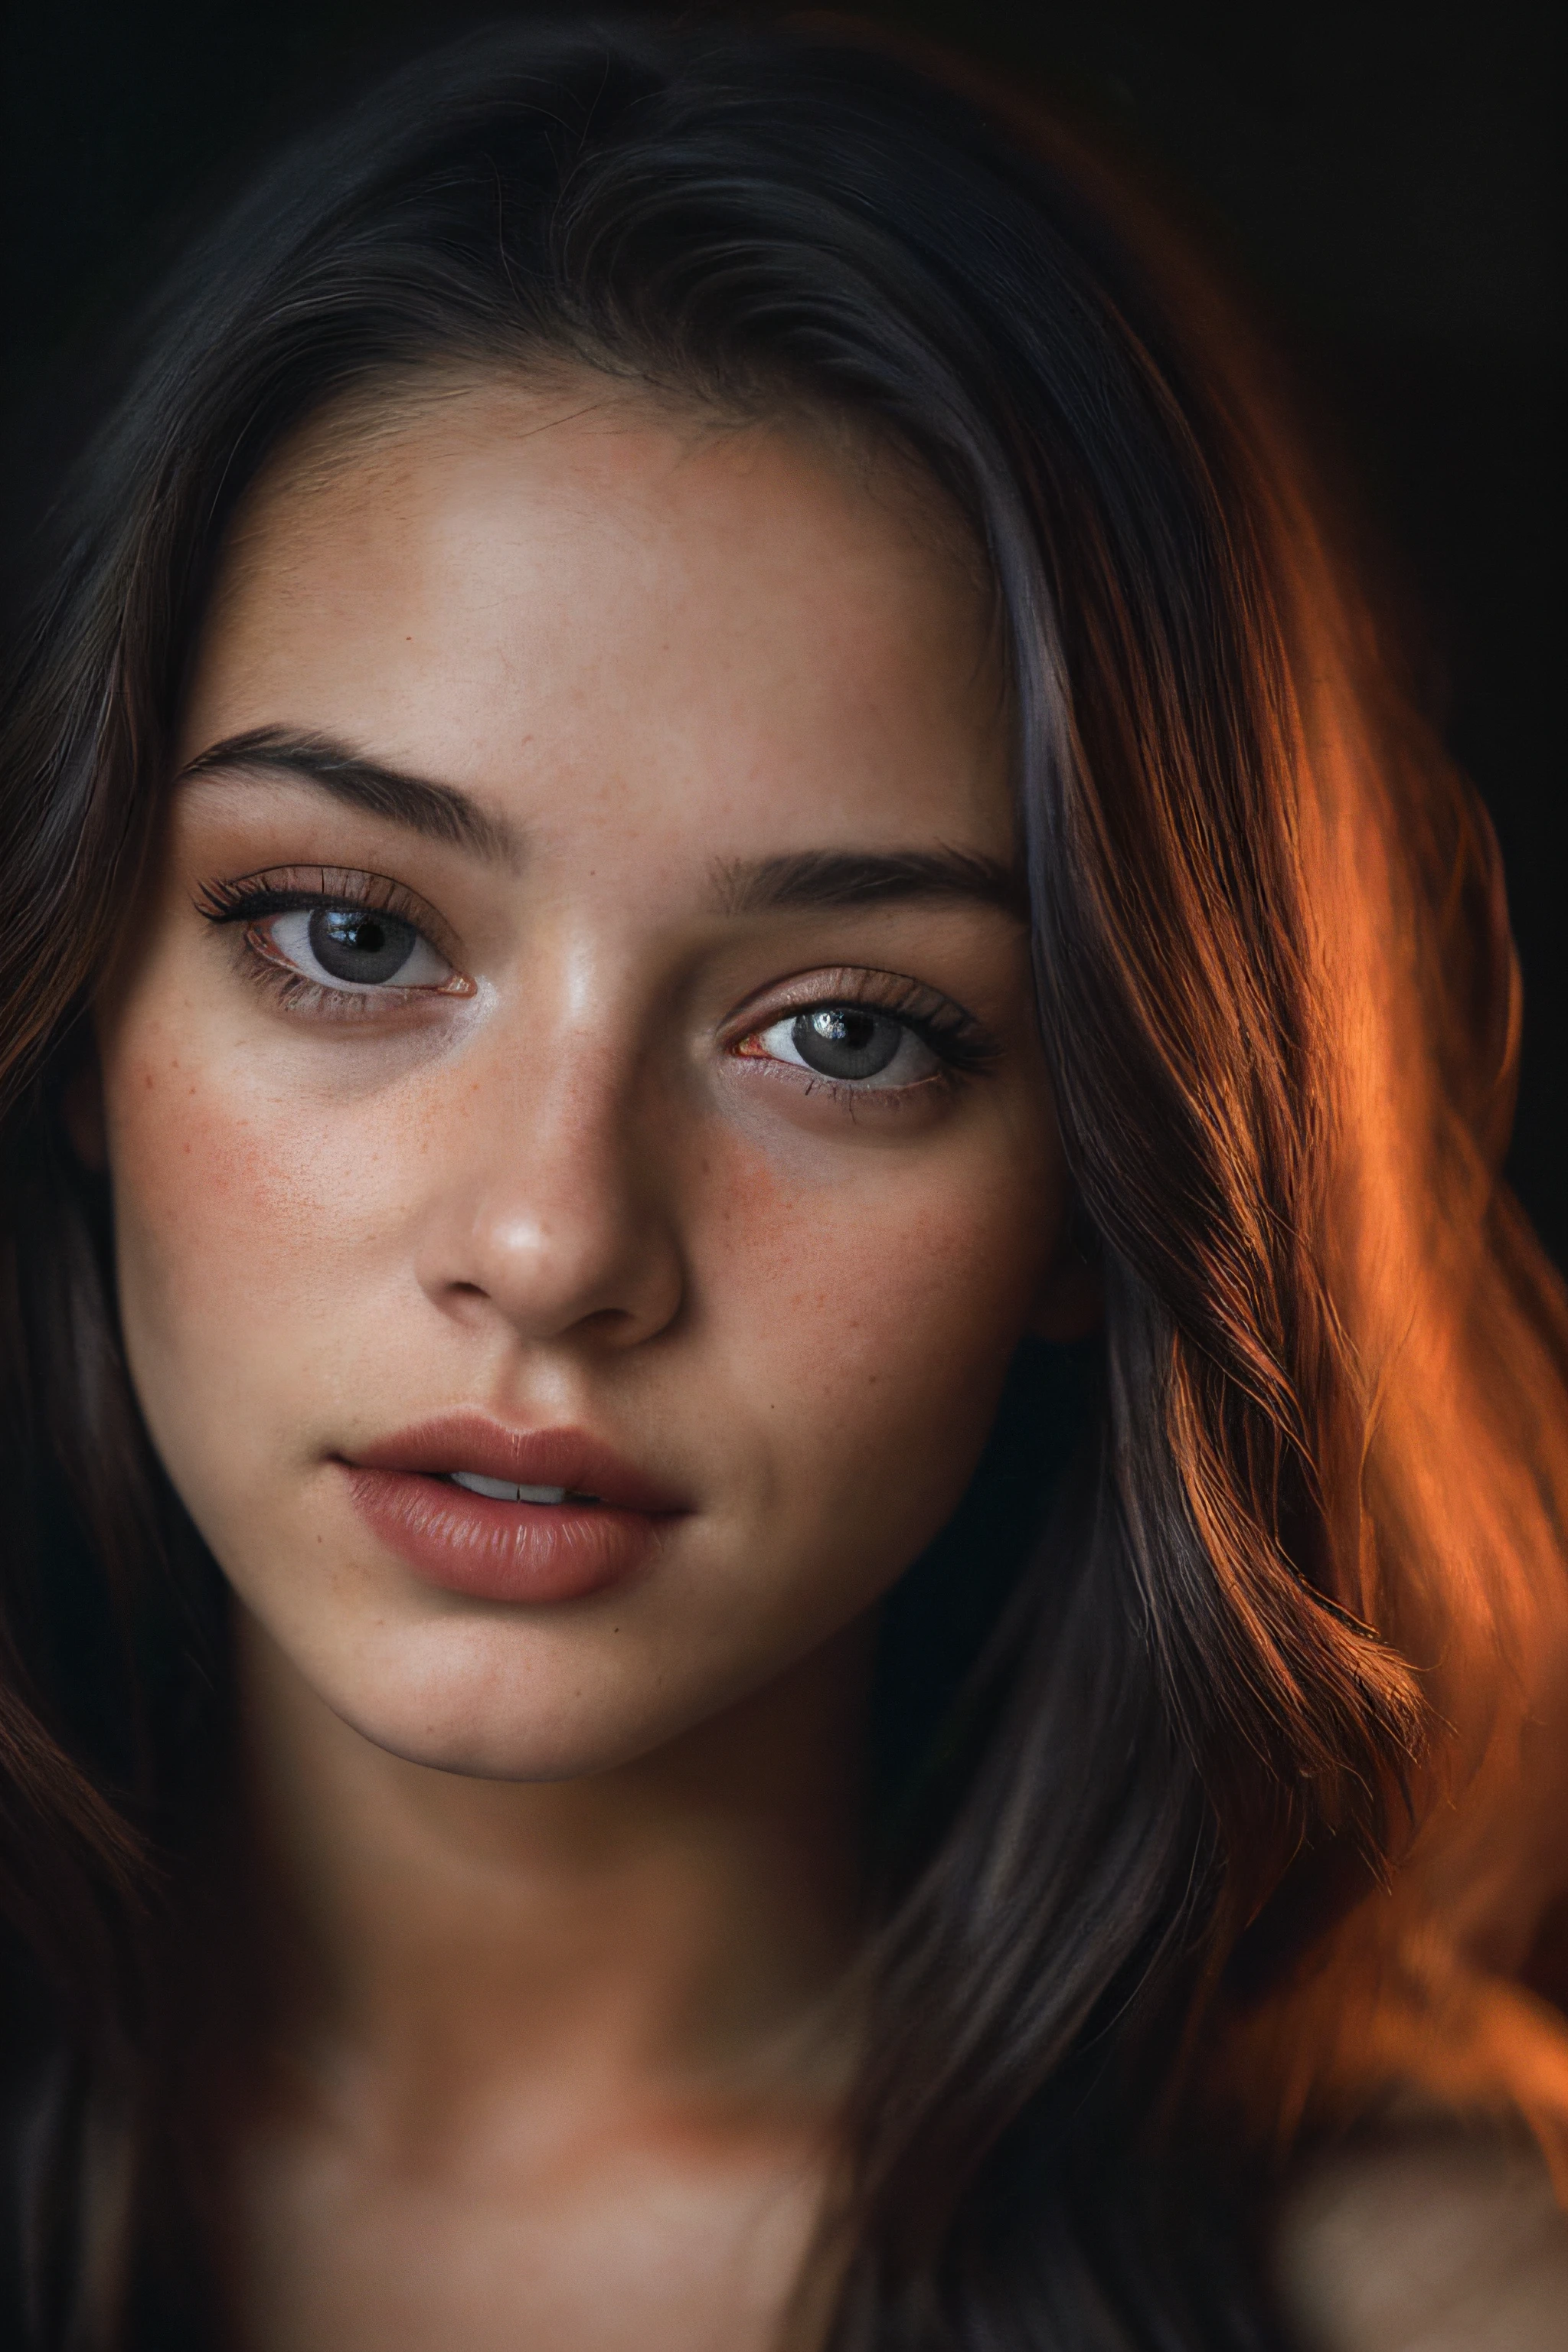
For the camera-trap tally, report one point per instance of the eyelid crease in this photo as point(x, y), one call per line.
point(950, 1028)
point(881, 992)
point(278, 890)
point(251, 900)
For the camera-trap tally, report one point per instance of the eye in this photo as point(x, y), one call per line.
point(352, 946)
point(853, 1045)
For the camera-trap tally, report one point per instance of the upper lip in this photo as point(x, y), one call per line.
point(528, 1457)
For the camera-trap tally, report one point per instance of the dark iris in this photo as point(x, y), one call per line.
point(352, 943)
point(845, 1041)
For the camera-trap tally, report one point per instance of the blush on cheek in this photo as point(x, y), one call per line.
point(206, 1194)
point(943, 1247)
point(928, 1303)
point(175, 1146)
point(879, 1316)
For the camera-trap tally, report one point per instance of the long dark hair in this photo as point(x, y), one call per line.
point(1132, 1907)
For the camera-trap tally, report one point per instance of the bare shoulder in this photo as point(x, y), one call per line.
point(1437, 2242)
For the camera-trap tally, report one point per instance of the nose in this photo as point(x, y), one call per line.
point(555, 1210)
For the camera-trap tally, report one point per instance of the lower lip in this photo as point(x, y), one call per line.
point(503, 1551)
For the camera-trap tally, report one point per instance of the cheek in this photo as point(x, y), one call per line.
point(872, 1322)
point(235, 1213)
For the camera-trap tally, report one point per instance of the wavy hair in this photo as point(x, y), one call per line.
point(1237, 1823)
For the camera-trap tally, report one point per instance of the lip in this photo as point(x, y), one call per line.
point(496, 1550)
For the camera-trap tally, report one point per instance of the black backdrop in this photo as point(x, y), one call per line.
point(1379, 171)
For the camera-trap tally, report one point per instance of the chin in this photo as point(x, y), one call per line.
point(504, 1719)
point(480, 1750)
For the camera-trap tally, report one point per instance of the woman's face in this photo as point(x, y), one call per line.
point(580, 1044)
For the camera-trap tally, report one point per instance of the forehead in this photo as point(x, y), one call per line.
point(584, 607)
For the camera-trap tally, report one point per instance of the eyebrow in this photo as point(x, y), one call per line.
point(853, 878)
point(439, 812)
point(802, 880)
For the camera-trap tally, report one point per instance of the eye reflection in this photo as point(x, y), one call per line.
point(853, 1045)
point(356, 947)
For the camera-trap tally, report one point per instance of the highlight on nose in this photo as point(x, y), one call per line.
point(603, 1256)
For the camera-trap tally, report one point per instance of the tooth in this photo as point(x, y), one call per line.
point(504, 1490)
point(500, 1490)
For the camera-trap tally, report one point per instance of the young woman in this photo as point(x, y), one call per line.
point(783, 1562)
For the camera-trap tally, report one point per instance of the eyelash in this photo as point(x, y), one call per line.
point(962, 1047)
point(253, 898)
point(946, 1028)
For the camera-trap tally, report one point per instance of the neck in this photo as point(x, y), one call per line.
point(680, 1923)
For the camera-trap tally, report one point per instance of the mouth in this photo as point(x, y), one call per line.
point(506, 1515)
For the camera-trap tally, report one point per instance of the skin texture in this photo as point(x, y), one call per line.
point(560, 1892)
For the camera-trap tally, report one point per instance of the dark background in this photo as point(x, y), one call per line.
point(1380, 175)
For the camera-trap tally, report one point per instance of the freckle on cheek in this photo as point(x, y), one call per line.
point(745, 1189)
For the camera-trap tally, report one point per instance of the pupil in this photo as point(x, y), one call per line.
point(845, 1041)
point(354, 945)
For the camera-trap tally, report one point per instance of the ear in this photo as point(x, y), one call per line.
point(82, 1109)
point(1070, 1298)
